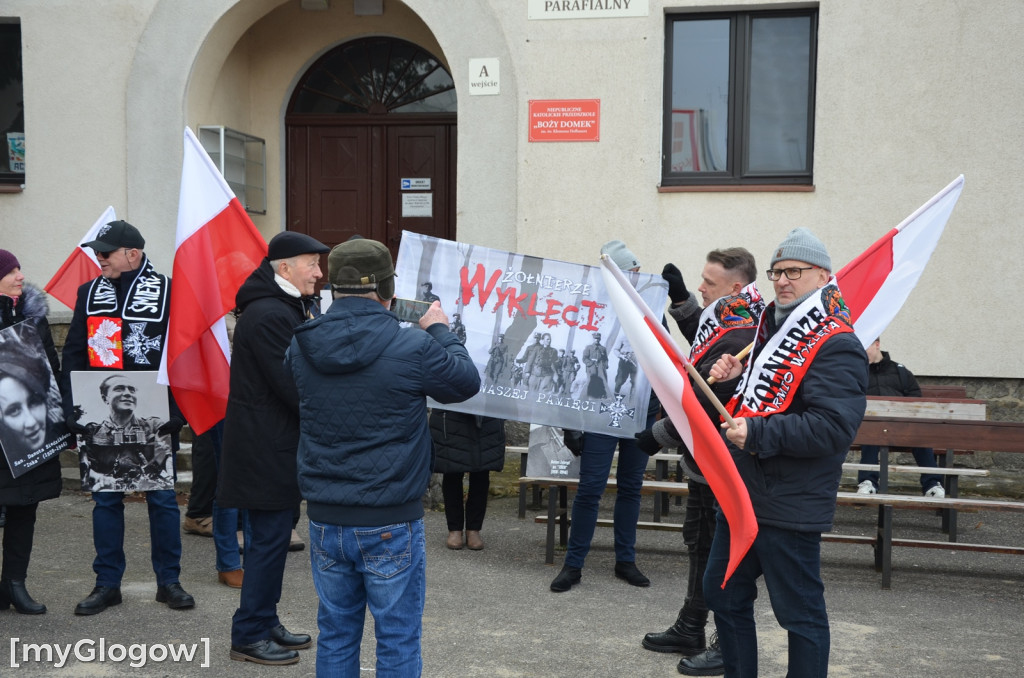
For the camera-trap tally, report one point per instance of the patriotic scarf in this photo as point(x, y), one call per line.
point(781, 360)
point(144, 312)
point(726, 314)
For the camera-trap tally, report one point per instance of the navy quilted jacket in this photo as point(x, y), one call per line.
point(364, 445)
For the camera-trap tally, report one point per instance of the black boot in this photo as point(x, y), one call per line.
point(707, 663)
point(13, 592)
point(685, 636)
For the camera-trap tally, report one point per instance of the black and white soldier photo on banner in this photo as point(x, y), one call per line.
point(540, 331)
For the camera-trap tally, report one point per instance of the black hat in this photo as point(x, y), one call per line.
point(291, 244)
point(359, 266)
point(115, 235)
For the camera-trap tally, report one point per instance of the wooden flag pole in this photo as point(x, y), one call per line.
point(699, 380)
point(739, 356)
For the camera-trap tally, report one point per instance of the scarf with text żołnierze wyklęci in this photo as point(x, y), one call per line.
point(780, 361)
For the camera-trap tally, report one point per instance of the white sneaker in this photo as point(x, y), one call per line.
point(866, 487)
point(936, 491)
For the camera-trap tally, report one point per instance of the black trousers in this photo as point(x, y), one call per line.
point(471, 515)
point(265, 557)
point(204, 478)
point(18, 534)
point(698, 533)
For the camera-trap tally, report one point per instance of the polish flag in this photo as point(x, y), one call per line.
point(876, 283)
point(80, 267)
point(664, 366)
point(217, 248)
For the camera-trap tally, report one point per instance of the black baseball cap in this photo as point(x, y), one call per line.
point(115, 235)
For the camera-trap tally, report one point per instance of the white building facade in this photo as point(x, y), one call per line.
point(697, 125)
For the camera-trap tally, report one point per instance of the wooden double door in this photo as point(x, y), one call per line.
point(372, 176)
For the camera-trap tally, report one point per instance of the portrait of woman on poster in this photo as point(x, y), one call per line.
point(23, 306)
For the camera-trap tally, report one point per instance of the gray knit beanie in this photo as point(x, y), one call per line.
point(802, 245)
point(620, 254)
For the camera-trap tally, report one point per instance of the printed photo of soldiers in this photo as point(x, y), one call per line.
point(595, 359)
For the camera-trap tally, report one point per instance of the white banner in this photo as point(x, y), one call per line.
point(542, 332)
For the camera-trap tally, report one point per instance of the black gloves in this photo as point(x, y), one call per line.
point(71, 422)
point(171, 426)
point(646, 442)
point(676, 287)
point(574, 441)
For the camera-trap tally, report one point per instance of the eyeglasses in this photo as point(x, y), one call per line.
point(106, 255)
point(791, 273)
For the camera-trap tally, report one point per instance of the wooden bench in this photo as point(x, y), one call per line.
point(948, 434)
point(558, 507)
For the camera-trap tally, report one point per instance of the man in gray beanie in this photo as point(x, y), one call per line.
point(797, 408)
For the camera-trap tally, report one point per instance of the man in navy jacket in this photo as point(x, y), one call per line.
point(797, 409)
point(365, 455)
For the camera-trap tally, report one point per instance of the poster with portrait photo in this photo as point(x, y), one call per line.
point(122, 450)
point(31, 420)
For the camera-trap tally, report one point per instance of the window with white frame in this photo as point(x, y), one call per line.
point(739, 98)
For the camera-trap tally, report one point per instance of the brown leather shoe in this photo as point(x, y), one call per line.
point(201, 526)
point(454, 541)
point(473, 540)
point(232, 578)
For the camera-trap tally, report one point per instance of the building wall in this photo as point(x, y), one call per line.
point(909, 95)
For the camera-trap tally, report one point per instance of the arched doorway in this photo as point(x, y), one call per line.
point(371, 144)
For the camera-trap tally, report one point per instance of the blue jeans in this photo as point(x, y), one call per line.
point(790, 562)
point(595, 464)
point(924, 456)
point(108, 536)
point(380, 567)
point(225, 520)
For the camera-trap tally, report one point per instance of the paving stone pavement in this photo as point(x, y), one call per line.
point(490, 613)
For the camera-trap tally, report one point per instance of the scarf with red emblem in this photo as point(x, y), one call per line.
point(781, 360)
point(725, 315)
point(143, 314)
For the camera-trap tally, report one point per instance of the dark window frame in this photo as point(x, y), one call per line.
point(11, 71)
point(737, 173)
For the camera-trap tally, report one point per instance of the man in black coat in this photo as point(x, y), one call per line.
point(886, 377)
point(261, 435)
point(723, 321)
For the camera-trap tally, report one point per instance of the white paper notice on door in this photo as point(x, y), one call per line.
point(417, 204)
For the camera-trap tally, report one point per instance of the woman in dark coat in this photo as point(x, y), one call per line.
point(20, 302)
point(466, 443)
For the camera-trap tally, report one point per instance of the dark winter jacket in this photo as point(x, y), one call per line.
point(464, 443)
point(792, 461)
point(889, 378)
point(261, 427)
point(44, 481)
point(687, 317)
point(365, 451)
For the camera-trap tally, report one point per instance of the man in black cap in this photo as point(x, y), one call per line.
point(261, 434)
point(120, 323)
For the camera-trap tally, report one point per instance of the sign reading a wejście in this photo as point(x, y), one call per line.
point(565, 120)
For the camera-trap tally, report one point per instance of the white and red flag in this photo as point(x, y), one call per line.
point(876, 283)
point(216, 248)
point(80, 267)
point(665, 367)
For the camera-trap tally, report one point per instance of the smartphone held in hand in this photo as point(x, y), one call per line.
point(409, 310)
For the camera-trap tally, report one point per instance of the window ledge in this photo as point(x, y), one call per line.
point(12, 188)
point(739, 188)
